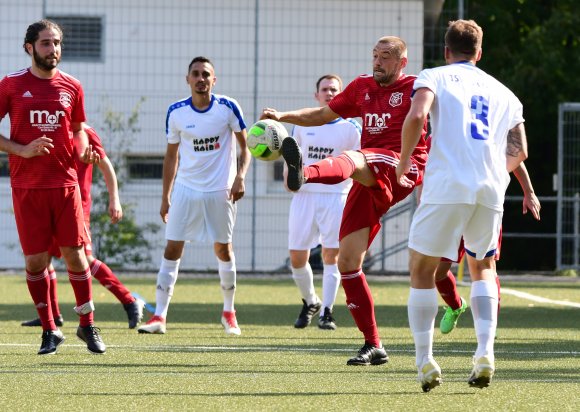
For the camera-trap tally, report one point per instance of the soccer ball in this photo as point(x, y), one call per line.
point(265, 139)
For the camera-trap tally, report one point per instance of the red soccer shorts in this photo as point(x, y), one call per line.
point(366, 205)
point(54, 250)
point(44, 214)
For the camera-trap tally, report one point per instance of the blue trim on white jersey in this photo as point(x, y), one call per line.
point(174, 106)
point(234, 107)
point(355, 124)
point(202, 111)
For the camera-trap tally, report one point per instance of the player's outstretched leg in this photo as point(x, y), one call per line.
point(449, 319)
point(134, 312)
point(293, 158)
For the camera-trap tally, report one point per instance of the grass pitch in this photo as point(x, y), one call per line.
point(274, 367)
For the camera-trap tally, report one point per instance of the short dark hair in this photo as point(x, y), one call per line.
point(199, 59)
point(329, 76)
point(33, 31)
point(464, 37)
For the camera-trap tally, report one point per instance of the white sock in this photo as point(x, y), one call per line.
point(166, 279)
point(304, 279)
point(227, 272)
point(330, 284)
point(422, 309)
point(484, 311)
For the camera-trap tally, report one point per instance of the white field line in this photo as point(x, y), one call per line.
point(277, 349)
point(534, 298)
point(529, 296)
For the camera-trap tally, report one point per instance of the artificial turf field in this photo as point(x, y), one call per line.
point(275, 367)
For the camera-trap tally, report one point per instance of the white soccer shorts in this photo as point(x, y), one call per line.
point(315, 218)
point(200, 216)
point(436, 229)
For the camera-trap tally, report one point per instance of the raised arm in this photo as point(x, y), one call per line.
point(310, 116)
point(412, 127)
point(115, 209)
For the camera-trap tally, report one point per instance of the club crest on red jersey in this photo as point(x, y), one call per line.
point(396, 99)
point(65, 99)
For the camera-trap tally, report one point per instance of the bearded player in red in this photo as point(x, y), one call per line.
point(382, 101)
point(44, 102)
point(99, 270)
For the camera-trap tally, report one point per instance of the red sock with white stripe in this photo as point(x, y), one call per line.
point(330, 171)
point(107, 278)
point(448, 290)
point(83, 290)
point(360, 303)
point(53, 294)
point(38, 286)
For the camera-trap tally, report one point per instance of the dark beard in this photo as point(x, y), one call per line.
point(42, 63)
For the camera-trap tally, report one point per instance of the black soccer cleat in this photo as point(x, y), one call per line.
point(51, 339)
point(326, 321)
point(306, 314)
point(90, 335)
point(369, 355)
point(293, 158)
point(58, 321)
point(134, 312)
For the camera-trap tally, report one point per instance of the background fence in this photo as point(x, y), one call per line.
point(132, 57)
point(266, 53)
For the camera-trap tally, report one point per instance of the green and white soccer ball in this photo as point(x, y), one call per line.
point(265, 139)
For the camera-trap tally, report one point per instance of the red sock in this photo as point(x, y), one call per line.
point(53, 294)
point(38, 286)
point(331, 170)
point(448, 291)
point(360, 303)
point(82, 288)
point(107, 278)
point(498, 294)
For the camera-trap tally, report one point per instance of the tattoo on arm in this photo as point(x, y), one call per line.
point(514, 142)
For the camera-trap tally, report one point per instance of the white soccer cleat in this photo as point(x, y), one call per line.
point(429, 375)
point(230, 323)
point(155, 325)
point(483, 370)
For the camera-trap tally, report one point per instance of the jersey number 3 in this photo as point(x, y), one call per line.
point(479, 123)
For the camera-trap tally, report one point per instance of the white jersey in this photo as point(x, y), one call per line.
point(319, 142)
point(470, 118)
point(207, 144)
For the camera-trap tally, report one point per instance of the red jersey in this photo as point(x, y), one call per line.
point(85, 170)
point(42, 107)
point(382, 110)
